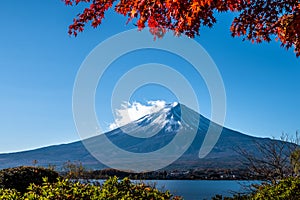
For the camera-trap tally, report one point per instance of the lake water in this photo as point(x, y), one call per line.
point(200, 189)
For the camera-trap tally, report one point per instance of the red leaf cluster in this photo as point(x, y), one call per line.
point(257, 20)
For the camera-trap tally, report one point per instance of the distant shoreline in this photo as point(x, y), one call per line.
point(207, 174)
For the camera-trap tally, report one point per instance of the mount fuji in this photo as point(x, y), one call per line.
point(147, 134)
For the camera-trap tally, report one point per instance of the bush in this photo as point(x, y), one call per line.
point(113, 189)
point(63, 189)
point(20, 178)
point(9, 194)
point(285, 189)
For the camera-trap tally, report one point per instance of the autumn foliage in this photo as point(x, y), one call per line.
point(256, 20)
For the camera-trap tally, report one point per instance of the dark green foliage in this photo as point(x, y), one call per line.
point(19, 178)
point(295, 161)
point(113, 189)
point(285, 189)
point(63, 189)
point(9, 194)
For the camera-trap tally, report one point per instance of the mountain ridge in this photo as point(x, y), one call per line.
point(160, 128)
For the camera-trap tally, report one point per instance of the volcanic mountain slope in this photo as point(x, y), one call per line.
point(155, 130)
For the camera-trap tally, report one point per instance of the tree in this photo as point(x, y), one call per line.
point(273, 159)
point(74, 170)
point(256, 20)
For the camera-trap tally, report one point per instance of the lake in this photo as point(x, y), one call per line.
point(199, 189)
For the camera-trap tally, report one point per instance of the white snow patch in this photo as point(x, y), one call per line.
point(131, 112)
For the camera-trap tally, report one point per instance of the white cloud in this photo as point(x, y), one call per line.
point(131, 112)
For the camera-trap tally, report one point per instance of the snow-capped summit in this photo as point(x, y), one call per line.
point(167, 119)
point(130, 112)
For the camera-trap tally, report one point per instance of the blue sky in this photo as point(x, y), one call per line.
point(39, 63)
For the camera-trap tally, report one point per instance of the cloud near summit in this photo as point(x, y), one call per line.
point(133, 111)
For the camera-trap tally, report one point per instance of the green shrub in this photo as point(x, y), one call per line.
point(126, 190)
point(112, 189)
point(20, 178)
point(9, 194)
point(63, 189)
point(285, 189)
